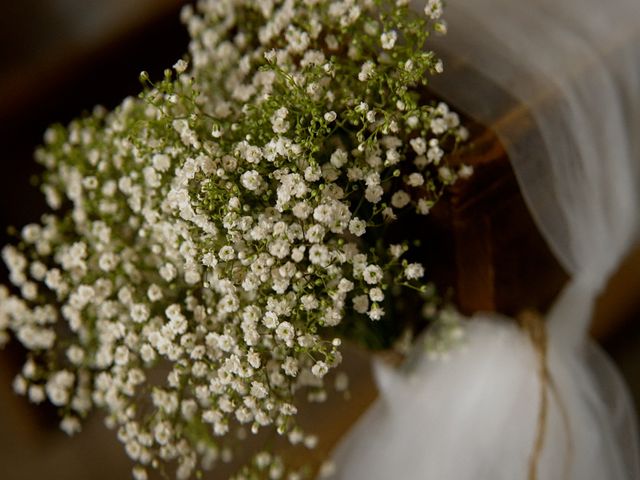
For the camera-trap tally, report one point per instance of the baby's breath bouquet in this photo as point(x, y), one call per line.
point(215, 239)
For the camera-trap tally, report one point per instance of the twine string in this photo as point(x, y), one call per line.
point(533, 325)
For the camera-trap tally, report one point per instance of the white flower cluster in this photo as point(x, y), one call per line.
point(228, 227)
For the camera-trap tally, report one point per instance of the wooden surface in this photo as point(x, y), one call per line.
point(618, 307)
point(488, 249)
point(491, 254)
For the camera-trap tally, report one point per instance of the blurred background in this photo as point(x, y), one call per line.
point(59, 58)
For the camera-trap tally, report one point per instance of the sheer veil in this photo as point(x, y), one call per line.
point(573, 68)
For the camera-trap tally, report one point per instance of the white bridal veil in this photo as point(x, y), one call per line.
point(573, 67)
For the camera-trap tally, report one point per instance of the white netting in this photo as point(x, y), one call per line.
point(572, 67)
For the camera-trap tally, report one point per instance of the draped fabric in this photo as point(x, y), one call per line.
point(559, 82)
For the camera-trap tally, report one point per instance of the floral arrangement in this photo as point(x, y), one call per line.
point(216, 239)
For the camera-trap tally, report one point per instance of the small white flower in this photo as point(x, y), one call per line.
point(320, 369)
point(315, 233)
point(278, 120)
point(319, 255)
point(290, 366)
point(424, 207)
point(154, 292)
point(70, 425)
point(376, 313)
point(309, 302)
point(357, 227)
point(227, 253)
point(270, 320)
point(216, 131)
point(434, 155)
point(396, 250)
point(388, 39)
point(254, 359)
point(345, 286)
point(389, 214)
point(36, 394)
point(361, 303)
point(438, 126)
point(341, 382)
point(209, 260)
point(339, 158)
point(433, 9)
point(139, 312)
point(228, 304)
point(162, 433)
point(329, 172)
point(354, 174)
point(161, 162)
point(400, 199)
point(297, 254)
point(332, 317)
point(371, 116)
point(414, 271)
point(332, 42)
point(279, 248)
point(20, 385)
point(311, 441)
point(465, 171)
point(372, 274)
point(180, 66)
point(139, 473)
point(312, 173)
point(270, 55)
point(330, 116)
point(285, 332)
point(168, 272)
point(322, 213)
point(363, 107)
point(415, 179)
point(373, 193)
point(302, 210)
point(251, 180)
point(393, 156)
point(147, 353)
point(367, 71)
point(419, 145)
point(376, 294)
point(258, 390)
point(446, 175)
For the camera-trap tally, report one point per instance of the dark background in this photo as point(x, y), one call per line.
point(59, 58)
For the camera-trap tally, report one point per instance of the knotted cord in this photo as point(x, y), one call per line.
point(533, 324)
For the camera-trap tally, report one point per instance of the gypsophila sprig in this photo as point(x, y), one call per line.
point(223, 227)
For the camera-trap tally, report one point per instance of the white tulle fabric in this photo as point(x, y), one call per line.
point(560, 82)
